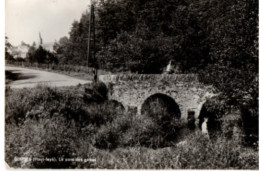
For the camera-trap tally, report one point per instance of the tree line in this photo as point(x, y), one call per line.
point(35, 54)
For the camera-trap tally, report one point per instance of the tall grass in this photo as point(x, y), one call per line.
point(47, 123)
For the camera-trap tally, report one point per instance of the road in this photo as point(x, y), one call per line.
point(27, 78)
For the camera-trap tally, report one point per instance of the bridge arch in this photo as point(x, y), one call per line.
point(213, 124)
point(160, 102)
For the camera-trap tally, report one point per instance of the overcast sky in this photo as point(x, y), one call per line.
point(24, 19)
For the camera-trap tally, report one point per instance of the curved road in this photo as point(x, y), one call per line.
point(31, 78)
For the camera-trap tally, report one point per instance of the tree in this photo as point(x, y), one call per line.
point(140, 52)
point(61, 49)
point(8, 46)
point(233, 38)
point(30, 56)
point(40, 55)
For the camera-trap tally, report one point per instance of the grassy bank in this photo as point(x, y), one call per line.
point(59, 128)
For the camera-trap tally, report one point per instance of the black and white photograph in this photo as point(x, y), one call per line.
point(131, 84)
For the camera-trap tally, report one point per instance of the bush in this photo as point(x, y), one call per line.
point(200, 153)
point(214, 109)
point(223, 117)
point(40, 102)
point(97, 94)
point(145, 132)
point(112, 134)
point(39, 140)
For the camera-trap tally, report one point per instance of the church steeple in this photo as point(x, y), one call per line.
point(40, 38)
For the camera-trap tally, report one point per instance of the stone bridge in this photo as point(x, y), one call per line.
point(133, 90)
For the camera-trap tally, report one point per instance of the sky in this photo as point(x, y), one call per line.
point(24, 19)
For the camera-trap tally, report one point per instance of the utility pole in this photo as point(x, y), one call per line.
point(91, 35)
point(94, 37)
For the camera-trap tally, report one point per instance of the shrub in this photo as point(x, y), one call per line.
point(16, 107)
point(222, 116)
point(107, 137)
point(201, 153)
point(98, 93)
point(250, 126)
point(99, 114)
point(112, 134)
point(145, 132)
point(40, 140)
point(42, 101)
point(56, 143)
point(214, 109)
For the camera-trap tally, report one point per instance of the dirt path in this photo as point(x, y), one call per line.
point(31, 78)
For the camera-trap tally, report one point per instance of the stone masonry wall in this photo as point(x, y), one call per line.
point(132, 90)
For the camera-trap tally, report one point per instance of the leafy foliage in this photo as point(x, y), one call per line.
point(8, 45)
point(40, 55)
point(97, 94)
